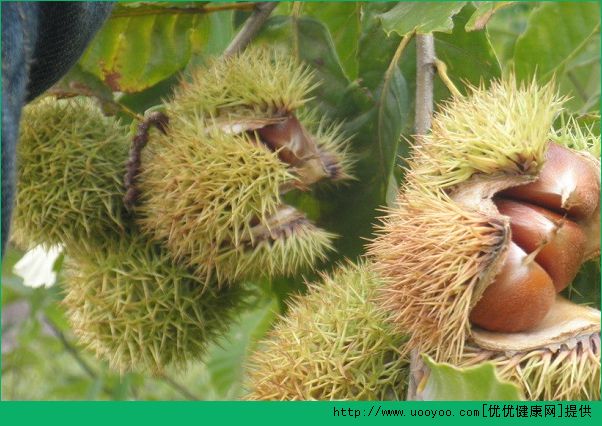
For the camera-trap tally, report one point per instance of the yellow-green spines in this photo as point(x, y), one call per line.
point(333, 145)
point(567, 372)
point(205, 192)
point(218, 182)
point(211, 186)
point(574, 136)
point(435, 252)
point(334, 343)
point(285, 252)
point(139, 310)
point(255, 83)
point(433, 255)
point(445, 241)
point(502, 129)
point(71, 165)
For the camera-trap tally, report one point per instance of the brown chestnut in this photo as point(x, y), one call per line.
point(520, 296)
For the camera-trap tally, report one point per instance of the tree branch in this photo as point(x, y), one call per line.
point(175, 10)
point(179, 387)
point(72, 350)
point(425, 72)
point(250, 28)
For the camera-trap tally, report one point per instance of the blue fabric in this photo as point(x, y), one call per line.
point(41, 41)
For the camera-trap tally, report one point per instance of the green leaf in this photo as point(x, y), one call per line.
point(225, 360)
point(391, 116)
point(556, 33)
point(375, 50)
point(150, 97)
point(215, 37)
point(132, 53)
point(484, 11)
point(505, 27)
point(581, 80)
point(80, 81)
point(422, 17)
point(380, 73)
point(446, 382)
point(374, 110)
point(573, 29)
point(343, 23)
point(469, 56)
point(585, 288)
point(359, 105)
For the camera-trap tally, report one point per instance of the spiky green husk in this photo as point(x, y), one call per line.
point(255, 83)
point(204, 193)
point(567, 372)
point(293, 251)
point(138, 309)
point(332, 143)
point(502, 129)
point(574, 136)
point(441, 245)
point(437, 253)
point(433, 255)
point(71, 164)
point(334, 343)
point(217, 181)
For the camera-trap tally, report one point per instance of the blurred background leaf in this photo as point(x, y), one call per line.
point(137, 48)
point(570, 51)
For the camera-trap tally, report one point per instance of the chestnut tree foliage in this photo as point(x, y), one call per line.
point(144, 49)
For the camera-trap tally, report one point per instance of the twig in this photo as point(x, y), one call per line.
point(179, 387)
point(250, 28)
point(158, 120)
point(174, 10)
point(442, 73)
point(72, 350)
point(425, 71)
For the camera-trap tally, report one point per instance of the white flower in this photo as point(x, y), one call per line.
point(36, 266)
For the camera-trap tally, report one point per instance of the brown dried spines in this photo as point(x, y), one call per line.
point(157, 119)
point(469, 158)
point(559, 359)
point(435, 256)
